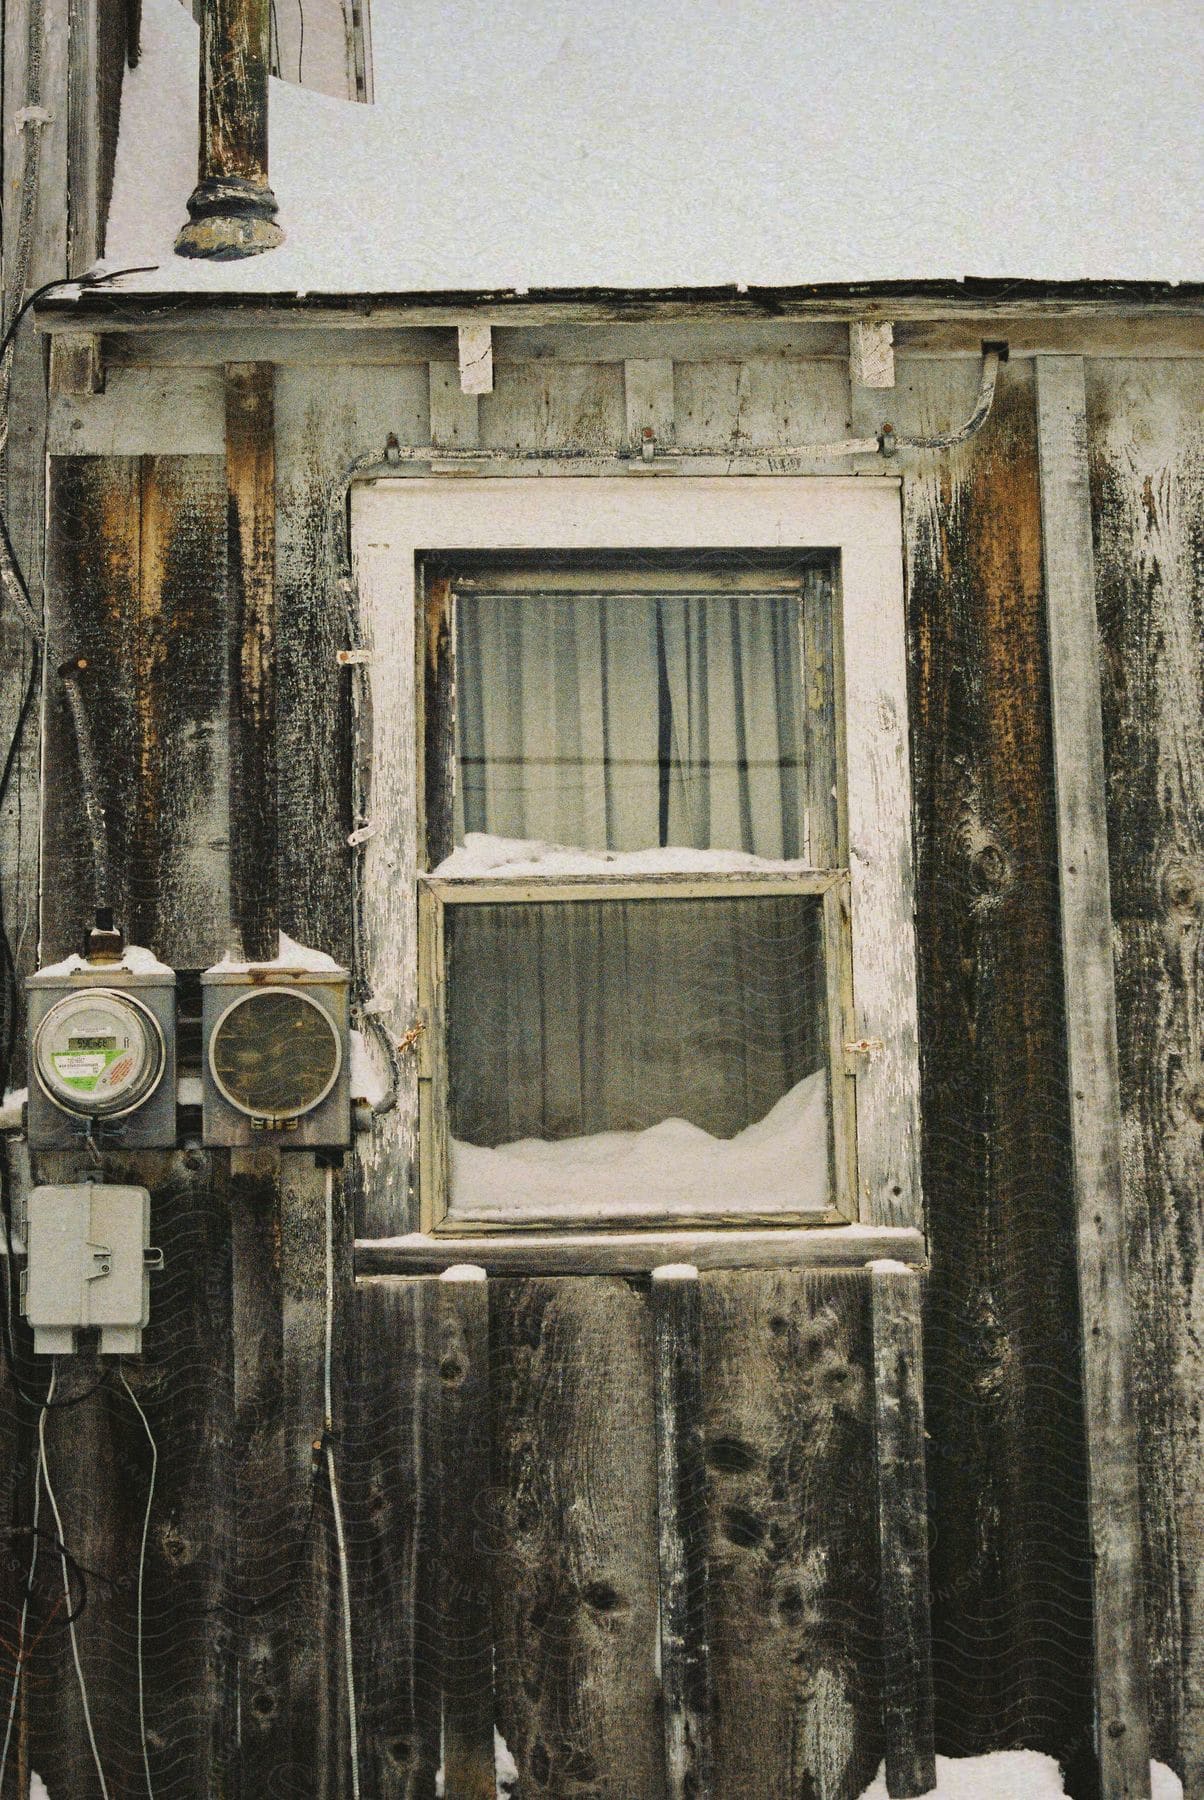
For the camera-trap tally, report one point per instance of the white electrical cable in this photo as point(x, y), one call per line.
point(58, 1526)
point(150, 1497)
point(335, 1503)
point(33, 1563)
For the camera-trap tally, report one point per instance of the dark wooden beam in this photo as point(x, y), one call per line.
point(263, 1554)
point(232, 209)
point(461, 1300)
point(682, 1532)
point(907, 1707)
point(251, 569)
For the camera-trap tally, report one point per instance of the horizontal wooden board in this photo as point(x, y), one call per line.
point(142, 412)
point(638, 1252)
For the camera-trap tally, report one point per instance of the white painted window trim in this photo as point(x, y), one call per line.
point(396, 520)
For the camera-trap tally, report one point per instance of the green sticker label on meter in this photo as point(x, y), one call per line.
point(88, 1070)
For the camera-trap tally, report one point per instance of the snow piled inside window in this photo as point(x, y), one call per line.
point(780, 1163)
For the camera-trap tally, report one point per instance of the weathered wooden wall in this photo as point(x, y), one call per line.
point(565, 1533)
point(58, 141)
point(1147, 460)
point(241, 1564)
point(1011, 1596)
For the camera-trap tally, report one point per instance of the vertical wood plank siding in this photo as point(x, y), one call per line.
point(1147, 483)
point(902, 1532)
point(686, 1696)
point(136, 566)
point(1011, 1579)
point(317, 1686)
point(263, 1566)
point(393, 1517)
point(322, 427)
point(575, 1600)
point(791, 1534)
point(136, 573)
point(251, 582)
point(466, 1546)
point(1122, 1707)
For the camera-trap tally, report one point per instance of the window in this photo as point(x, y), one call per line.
point(660, 938)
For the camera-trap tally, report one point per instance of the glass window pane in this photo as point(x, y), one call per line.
point(645, 714)
point(625, 1055)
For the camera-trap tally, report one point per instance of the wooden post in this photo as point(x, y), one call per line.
point(466, 1629)
point(1121, 1679)
point(682, 1522)
point(232, 210)
point(261, 1471)
point(907, 1708)
point(251, 536)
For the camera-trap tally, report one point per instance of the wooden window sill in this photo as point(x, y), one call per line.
point(639, 1252)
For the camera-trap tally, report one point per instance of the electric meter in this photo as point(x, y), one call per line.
point(98, 1053)
point(276, 1055)
point(102, 1053)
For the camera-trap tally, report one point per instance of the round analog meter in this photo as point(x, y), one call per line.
point(98, 1053)
point(275, 1053)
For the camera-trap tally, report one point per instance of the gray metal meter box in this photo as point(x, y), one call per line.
point(102, 1053)
point(88, 1263)
point(277, 1055)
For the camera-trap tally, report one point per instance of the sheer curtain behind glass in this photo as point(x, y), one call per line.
point(625, 722)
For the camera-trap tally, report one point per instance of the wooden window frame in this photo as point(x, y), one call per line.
point(398, 521)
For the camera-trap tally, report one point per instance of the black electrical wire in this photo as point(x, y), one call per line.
point(79, 1570)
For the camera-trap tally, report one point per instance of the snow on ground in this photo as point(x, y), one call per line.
point(1011, 1775)
point(481, 854)
point(625, 146)
point(780, 1162)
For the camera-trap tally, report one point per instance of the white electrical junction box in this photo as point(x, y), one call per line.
point(88, 1263)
